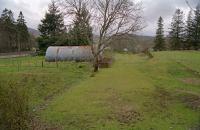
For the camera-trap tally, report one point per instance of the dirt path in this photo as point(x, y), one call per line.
point(14, 54)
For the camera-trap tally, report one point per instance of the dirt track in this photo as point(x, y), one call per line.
point(14, 54)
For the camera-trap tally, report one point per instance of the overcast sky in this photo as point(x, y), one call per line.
point(34, 11)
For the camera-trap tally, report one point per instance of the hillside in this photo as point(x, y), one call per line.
point(134, 43)
point(34, 32)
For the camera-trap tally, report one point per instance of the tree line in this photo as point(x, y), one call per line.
point(14, 35)
point(55, 33)
point(182, 35)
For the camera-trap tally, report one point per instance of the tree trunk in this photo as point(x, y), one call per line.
point(96, 64)
point(19, 44)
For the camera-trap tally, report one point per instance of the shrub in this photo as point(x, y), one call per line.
point(14, 107)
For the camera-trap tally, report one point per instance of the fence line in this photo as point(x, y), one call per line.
point(30, 63)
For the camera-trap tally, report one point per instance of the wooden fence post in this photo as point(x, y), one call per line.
point(57, 64)
point(18, 66)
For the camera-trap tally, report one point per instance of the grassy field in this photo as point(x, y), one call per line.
point(137, 93)
point(43, 82)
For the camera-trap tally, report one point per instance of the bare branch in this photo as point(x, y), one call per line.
point(187, 2)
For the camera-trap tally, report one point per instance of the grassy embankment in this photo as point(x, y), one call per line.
point(43, 82)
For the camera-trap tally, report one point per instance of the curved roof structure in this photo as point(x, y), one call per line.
point(69, 53)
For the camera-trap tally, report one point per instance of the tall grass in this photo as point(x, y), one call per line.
point(14, 107)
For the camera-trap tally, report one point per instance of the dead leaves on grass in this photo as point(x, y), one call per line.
point(192, 81)
point(192, 101)
point(122, 111)
point(126, 115)
point(36, 124)
point(163, 99)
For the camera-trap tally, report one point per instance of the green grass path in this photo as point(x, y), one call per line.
point(136, 93)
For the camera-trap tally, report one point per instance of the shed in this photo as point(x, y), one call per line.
point(69, 53)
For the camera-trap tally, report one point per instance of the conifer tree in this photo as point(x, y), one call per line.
point(82, 31)
point(4, 15)
point(14, 35)
point(8, 32)
point(52, 27)
point(53, 23)
point(196, 28)
point(21, 20)
point(177, 31)
point(7, 16)
point(159, 40)
point(189, 31)
point(23, 34)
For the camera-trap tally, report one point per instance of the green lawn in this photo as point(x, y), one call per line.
point(136, 93)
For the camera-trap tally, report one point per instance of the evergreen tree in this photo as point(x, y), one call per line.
point(8, 32)
point(189, 31)
point(52, 27)
point(159, 40)
point(4, 15)
point(53, 23)
point(23, 34)
point(82, 31)
point(11, 16)
point(196, 28)
point(177, 31)
point(7, 16)
point(14, 35)
point(21, 20)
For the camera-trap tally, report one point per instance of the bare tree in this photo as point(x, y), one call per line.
point(110, 18)
point(115, 18)
point(73, 8)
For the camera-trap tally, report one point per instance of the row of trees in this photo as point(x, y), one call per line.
point(55, 33)
point(14, 35)
point(182, 35)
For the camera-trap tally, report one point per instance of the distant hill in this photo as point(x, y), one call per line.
point(132, 43)
point(34, 32)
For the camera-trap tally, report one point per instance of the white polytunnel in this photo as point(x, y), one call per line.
point(69, 53)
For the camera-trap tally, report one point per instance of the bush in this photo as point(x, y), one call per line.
point(14, 107)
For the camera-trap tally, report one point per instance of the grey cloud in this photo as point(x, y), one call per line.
point(153, 9)
point(34, 10)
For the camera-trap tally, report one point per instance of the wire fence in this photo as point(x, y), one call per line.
point(18, 64)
